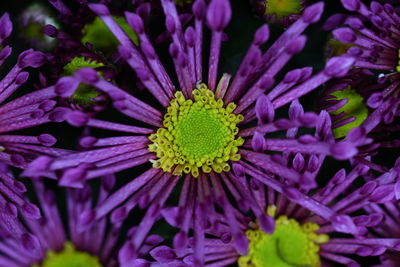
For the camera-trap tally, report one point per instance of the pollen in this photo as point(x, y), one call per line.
point(291, 244)
point(282, 8)
point(198, 135)
point(69, 257)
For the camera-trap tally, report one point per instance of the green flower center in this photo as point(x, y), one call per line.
point(69, 257)
point(98, 34)
point(355, 107)
point(85, 94)
point(290, 245)
point(197, 134)
point(282, 8)
point(398, 66)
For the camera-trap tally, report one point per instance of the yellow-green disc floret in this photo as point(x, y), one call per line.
point(291, 244)
point(398, 66)
point(282, 8)
point(69, 257)
point(355, 107)
point(198, 135)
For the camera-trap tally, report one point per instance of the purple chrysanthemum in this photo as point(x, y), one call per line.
point(306, 225)
point(374, 34)
point(49, 242)
point(208, 108)
point(390, 211)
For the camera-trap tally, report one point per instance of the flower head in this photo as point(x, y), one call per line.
point(372, 31)
point(49, 242)
point(303, 228)
point(167, 134)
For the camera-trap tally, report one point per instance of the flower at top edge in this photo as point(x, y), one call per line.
point(217, 112)
point(284, 12)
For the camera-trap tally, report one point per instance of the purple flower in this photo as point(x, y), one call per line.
point(373, 32)
point(48, 241)
point(302, 227)
point(200, 131)
point(27, 111)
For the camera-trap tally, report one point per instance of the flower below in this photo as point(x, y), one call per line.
point(69, 257)
point(197, 135)
point(290, 245)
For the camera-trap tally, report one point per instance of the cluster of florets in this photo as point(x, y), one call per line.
point(174, 157)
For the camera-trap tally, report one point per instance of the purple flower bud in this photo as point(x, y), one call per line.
point(351, 5)
point(313, 13)
point(339, 177)
point(135, 22)
point(241, 243)
point(73, 177)
point(298, 162)
point(21, 78)
point(5, 53)
point(190, 36)
point(77, 118)
point(219, 14)
point(99, 9)
point(343, 150)
point(261, 35)
point(297, 45)
point(31, 58)
point(364, 251)
point(345, 35)
point(163, 254)
point(258, 142)
point(180, 240)
point(199, 9)
point(267, 223)
point(127, 253)
point(30, 243)
point(47, 139)
point(382, 194)
point(265, 112)
point(50, 31)
point(87, 75)
point(87, 141)
point(334, 21)
point(66, 86)
point(5, 27)
point(343, 224)
point(170, 24)
point(119, 215)
point(338, 66)
point(86, 220)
